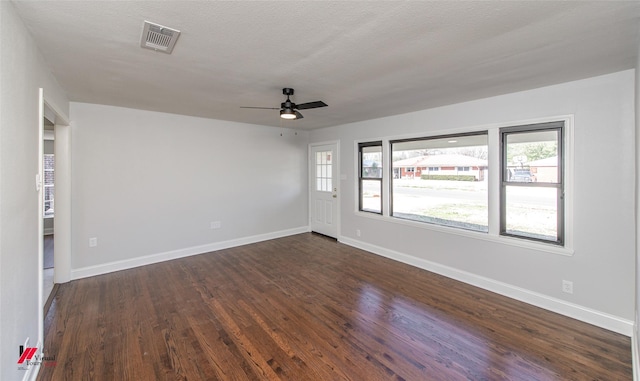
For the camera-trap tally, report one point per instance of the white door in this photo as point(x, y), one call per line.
point(324, 190)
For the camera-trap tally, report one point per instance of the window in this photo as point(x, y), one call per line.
point(445, 181)
point(323, 171)
point(532, 182)
point(446, 198)
point(370, 176)
point(49, 176)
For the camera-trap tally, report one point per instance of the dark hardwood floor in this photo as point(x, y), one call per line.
point(308, 308)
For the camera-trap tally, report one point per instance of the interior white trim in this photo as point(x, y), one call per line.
point(33, 370)
point(125, 264)
point(40, 194)
point(48, 134)
point(31, 374)
point(62, 218)
point(588, 315)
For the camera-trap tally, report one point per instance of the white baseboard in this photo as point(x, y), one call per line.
point(588, 315)
point(31, 374)
point(125, 264)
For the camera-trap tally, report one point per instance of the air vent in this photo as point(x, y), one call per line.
point(158, 37)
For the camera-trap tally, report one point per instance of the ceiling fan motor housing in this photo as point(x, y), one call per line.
point(287, 104)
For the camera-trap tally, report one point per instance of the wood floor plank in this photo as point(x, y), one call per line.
point(308, 308)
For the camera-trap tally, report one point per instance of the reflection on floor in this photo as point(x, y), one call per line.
point(47, 284)
point(48, 250)
point(47, 276)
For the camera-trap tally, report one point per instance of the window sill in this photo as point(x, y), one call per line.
point(522, 243)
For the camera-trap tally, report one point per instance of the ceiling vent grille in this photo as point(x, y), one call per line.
point(158, 37)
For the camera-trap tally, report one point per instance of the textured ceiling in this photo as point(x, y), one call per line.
point(364, 59)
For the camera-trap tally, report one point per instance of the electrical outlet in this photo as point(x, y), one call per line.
point(216, 225)
point(358, 232)
point(567, 286)
point(93, 242)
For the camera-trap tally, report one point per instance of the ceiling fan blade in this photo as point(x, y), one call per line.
point(305, 106)
point(298, 115)
point(262, 108)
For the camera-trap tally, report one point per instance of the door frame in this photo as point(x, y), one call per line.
point(337, 182)
point(62, 259)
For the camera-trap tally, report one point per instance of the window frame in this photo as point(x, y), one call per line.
point(46, 185)
point(560, 185)
point(493, 128)
point(361, 178)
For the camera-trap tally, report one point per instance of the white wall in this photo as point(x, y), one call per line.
point(603, 265)
point(22, 72)
point(150, 184)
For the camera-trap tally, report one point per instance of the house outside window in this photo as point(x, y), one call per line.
point(447, 197)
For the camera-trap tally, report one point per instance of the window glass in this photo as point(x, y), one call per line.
point(323, 171)
point(456, 194)
point(531, 212)
point(49, 181)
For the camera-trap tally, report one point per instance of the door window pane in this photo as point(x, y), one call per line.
point(323, 171)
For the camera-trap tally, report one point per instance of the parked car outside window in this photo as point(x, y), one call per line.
point(522, 176)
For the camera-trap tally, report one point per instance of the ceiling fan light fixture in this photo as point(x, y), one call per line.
point(288, 109)
point(288, 113)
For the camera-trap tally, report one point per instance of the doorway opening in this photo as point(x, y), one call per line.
point(48, 205)
point(53, 182)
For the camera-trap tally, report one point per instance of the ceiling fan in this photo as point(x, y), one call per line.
point(288, 109)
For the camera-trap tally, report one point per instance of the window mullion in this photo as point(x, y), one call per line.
point(494, 194)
